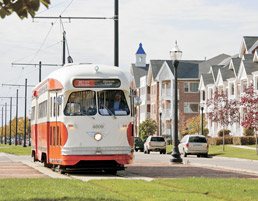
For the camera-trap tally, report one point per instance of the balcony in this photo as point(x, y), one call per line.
point(166, 114)
point(166, 93)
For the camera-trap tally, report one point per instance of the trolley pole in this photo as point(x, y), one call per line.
point(25, 114)
point(116, 39)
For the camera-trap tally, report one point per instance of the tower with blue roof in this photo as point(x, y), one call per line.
point(140, 57)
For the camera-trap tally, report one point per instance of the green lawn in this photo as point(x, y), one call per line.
point(161, 189)
point(217, 150)
point(232, 152)
point(17, 150)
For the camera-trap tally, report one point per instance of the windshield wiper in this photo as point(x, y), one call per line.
point(110, 112)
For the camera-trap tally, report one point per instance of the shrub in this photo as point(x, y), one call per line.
point(226, 132)
point(183, 133)
point(245, 140)
point(219, 140)
point(205, 131)
point(248, 132)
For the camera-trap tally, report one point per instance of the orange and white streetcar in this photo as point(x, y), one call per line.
point(82, 117)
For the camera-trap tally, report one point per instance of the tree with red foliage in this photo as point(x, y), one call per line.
point(249, 101)
point(223, 111)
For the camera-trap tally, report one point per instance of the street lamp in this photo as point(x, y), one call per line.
point(160, 123)
point(176, 55)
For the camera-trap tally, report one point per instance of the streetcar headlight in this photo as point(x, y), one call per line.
point(98, 136)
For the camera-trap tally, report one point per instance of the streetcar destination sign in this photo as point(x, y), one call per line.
point(96, 83)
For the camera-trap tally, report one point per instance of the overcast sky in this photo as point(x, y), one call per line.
point(203, 28)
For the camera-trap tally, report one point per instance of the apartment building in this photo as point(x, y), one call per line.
point(154, 83)
point(231, 77)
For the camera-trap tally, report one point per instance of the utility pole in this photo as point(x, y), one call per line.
point(16, 119)
point(5, 123)
point(25, 113)
point(2, 125)
point(116, 31)
point(10, 137)
point(64, 48)
point(116, 36)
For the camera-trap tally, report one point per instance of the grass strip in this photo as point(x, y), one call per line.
point(16, 150)
point(201, 189)
point(225, 189)
point(232, 152)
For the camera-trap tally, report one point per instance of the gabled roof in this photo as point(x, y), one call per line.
point(249, 41)
point(138, 73)
point(140, 50)
point(185, 69)
point(250, 67)
point(236, 64)
point(207, 78)
point(226, 73)
point(248, 57)
point(214, 69)
point(204, 66)
point(155, 66)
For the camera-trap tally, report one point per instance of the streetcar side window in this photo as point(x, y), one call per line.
point(58, 128)
point(54, 136)
point(42, 109)
point(112, 103)
point(33, 113)
point(81, 103)
point(57, 135)
point(51, 107)
point(51, 137)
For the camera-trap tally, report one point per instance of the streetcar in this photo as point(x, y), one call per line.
point(76, 122)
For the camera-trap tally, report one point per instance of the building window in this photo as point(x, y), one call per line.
point(203, 95)
point(191, 107)
point(232, 89)
point(191, 87)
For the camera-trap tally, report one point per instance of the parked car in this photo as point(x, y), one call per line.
point(138, 144)
point(155, 143)
point(194, 145)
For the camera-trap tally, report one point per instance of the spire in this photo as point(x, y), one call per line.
point(140, 50)
point(140, 57)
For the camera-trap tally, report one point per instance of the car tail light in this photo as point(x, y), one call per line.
point(150, 143)
point(187, 145)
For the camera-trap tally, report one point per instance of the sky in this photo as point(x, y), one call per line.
point(202, 28)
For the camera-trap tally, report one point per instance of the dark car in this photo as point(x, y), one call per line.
point(138, 144)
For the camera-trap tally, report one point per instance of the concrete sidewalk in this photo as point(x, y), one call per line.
point(242, 147)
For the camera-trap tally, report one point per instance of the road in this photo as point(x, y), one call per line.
point(144, 166)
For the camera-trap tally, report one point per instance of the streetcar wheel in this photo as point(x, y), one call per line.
point(111, 171)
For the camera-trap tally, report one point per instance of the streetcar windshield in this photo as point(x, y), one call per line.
point(112, 103)
point(81, 103)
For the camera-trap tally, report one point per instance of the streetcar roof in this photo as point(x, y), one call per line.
point(63, 77)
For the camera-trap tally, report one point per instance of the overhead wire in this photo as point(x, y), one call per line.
point(40, 48)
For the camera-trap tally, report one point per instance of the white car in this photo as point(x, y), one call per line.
point(155, 143)
point(194, 145)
